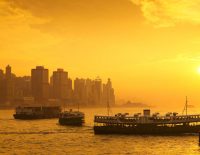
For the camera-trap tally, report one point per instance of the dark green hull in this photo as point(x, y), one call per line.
point(32, 117)
point(146, 129)
point(77, 121)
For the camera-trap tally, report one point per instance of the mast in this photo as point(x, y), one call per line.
point(186, 105)
point(108, 87)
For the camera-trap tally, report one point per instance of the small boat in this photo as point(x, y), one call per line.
point(70, 117)
point(37, 112)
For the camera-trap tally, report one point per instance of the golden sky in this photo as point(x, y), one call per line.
point(149, 48)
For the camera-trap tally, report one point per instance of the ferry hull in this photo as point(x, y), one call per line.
point(31, 113)
point(71, 121)
point(32, 117)
point(151, 130)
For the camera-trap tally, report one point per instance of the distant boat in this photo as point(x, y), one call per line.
point(171, 123)
point(75, 118)
point(39, 112)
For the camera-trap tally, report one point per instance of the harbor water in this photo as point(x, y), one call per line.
point(48, 137)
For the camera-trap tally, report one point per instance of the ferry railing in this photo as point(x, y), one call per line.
point(150, 120)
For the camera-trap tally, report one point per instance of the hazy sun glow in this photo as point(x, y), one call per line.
point(198, 70)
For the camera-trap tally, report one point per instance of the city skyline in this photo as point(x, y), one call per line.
point(57, 88)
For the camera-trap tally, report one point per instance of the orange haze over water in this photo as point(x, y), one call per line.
point(150, 49)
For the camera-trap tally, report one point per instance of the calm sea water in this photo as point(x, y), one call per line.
point(48, 137)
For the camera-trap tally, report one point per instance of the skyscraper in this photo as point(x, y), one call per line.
point(89, 92)
point(1, 74)
point(2, 87)
point(97, 91)
point(108, 93)
point(9, 84)
point(79, 91)
point(22, 87)
point(40, 84)
point(60, 84)
point(69, 90)
point(8, 72)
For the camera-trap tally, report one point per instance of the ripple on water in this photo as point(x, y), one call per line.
point(48, 137)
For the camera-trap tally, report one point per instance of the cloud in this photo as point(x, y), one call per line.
point(89, 9)
point(18, 38)
point(165, 13)
point(79, 17)
point(14, 16)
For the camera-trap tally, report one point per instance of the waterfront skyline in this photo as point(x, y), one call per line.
point(56, 89)
point(149, 49)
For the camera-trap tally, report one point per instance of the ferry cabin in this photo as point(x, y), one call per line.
point(170, 119)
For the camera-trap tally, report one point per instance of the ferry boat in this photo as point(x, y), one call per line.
point(70, 117)
point(171, 123)
point(40, 112)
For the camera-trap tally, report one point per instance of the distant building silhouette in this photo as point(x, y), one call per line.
point(1, 74)
point(89, 84)
point(61, 85)
point(79, 91)
point(93, 92)
point(2, 87)
point(9, 85)
point(108, 93)
point(97, 91)
point(69, 90)
point(13, 89)
point(40, 84)
point(8, 72)
point(22, 88)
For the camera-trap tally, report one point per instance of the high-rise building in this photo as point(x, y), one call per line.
point(22, 87)
point(60, 84)
point(40, 84)
point(89, 91)
point(8, 72)
point(93, 92)
point(1, 74)
point(79, 91)
point(69, 90)
point(97, 91)
point(108, 93)
point(13, 89)
point(2, 87)
point(9, 84)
